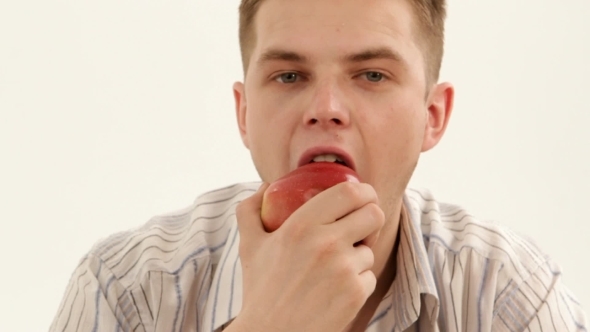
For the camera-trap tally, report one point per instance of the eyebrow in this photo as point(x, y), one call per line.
point(366, 55)
point(375, 54)
point(281, 55)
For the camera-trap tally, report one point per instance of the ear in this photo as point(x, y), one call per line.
point(440, 107)
point(240, 101)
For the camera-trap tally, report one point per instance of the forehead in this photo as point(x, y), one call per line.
point(318, 26)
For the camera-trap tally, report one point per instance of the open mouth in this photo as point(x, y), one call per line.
point(330, 158)
point(327, 154)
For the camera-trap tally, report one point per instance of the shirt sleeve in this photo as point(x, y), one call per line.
point(95, 301)
point(541, 303)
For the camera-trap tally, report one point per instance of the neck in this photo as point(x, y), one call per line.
point(385, 250)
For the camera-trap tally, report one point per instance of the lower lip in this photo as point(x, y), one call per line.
point(326, 166)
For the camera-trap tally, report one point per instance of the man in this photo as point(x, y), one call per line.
point(355, 80)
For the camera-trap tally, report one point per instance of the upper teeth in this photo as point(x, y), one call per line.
point(327, 157)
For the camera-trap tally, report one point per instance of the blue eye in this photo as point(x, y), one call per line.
point(287, 78)
point(374, 76)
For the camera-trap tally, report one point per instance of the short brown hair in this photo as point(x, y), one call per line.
point(430, 14)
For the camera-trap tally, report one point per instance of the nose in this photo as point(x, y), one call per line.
point(329, 108)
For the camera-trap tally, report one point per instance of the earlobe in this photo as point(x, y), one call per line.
point(440, 107)
point(240, 103)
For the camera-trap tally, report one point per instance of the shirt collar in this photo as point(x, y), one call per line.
point(403, 304)
point(399, 309)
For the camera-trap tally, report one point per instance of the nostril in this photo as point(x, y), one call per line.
point(335, 120)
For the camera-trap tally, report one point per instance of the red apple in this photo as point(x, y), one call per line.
point(288, 193)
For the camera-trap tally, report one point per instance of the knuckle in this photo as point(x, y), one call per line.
point(372, 282)
point(296, 231)
point(346, 269)
point(351, 190)
point(359, 295)
point(376, 214)
point(369, 256)
point(327, 246)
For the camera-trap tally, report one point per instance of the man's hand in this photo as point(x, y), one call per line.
point(309, 275)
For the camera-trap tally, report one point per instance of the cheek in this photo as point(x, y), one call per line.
point(396, 135)
point(395, 121)
point(269, 122)
point(269, 136)
point(396, 150)
point(406, 131)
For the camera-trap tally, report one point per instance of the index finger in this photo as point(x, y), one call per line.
point(333, 204)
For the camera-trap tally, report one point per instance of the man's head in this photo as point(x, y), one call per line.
point(346, 77)
point(429, 31)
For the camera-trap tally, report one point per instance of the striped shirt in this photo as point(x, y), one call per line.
point(181, 272)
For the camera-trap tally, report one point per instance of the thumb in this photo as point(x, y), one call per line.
point(250, 225)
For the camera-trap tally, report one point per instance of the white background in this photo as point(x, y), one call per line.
point(114, 111)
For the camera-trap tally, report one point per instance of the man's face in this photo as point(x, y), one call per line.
point(342, 76)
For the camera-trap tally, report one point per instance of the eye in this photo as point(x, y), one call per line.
point(287, 78)
point(373, 76)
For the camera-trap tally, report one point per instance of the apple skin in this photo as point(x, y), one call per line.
point(288, 193)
